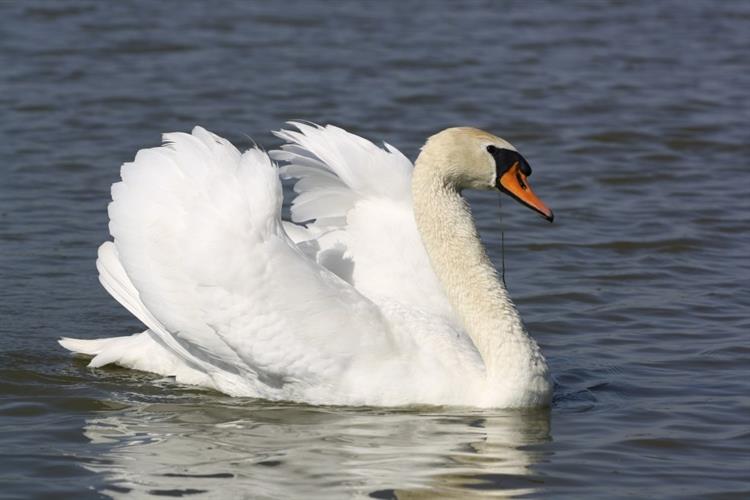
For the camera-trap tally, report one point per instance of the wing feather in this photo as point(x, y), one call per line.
point(197, 229)
point(356, 199)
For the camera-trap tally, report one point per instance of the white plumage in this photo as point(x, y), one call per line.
point(349, 303)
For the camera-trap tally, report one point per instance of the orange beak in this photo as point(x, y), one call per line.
point(514, 183)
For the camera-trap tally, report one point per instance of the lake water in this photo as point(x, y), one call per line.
point(636, 119)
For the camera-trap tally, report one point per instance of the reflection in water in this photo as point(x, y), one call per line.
point(299, 452)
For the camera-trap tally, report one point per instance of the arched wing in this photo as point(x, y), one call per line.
point(197, 229)
point(354, 198)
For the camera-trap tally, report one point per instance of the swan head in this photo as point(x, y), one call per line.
point(469, 158)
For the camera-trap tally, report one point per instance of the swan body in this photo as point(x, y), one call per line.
point(377, 292)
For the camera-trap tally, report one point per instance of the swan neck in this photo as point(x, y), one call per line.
point(466, 273)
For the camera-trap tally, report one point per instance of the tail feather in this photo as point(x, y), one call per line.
point(125, 351)
point(81, 346)
point(141, 351)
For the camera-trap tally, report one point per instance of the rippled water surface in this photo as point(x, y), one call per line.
point(636, 118)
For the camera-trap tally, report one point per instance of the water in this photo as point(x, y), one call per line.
point(635, 118)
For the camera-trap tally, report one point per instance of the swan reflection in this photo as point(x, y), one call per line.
point(284, 451)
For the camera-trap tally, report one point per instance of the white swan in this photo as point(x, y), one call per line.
point(387, 298)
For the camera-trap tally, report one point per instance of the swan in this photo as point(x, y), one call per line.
point(377, 292)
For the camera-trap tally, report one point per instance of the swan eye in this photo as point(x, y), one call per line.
point(491, 149)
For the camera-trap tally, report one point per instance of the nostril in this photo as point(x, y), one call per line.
point(520, 181)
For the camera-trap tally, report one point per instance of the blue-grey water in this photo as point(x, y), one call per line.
point(636, 119)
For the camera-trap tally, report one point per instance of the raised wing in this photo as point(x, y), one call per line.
point(197, 229)
point(355, 200)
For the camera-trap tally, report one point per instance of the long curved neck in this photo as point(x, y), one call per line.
point(470, 280)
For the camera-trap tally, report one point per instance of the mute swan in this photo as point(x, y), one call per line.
point(386, 298)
